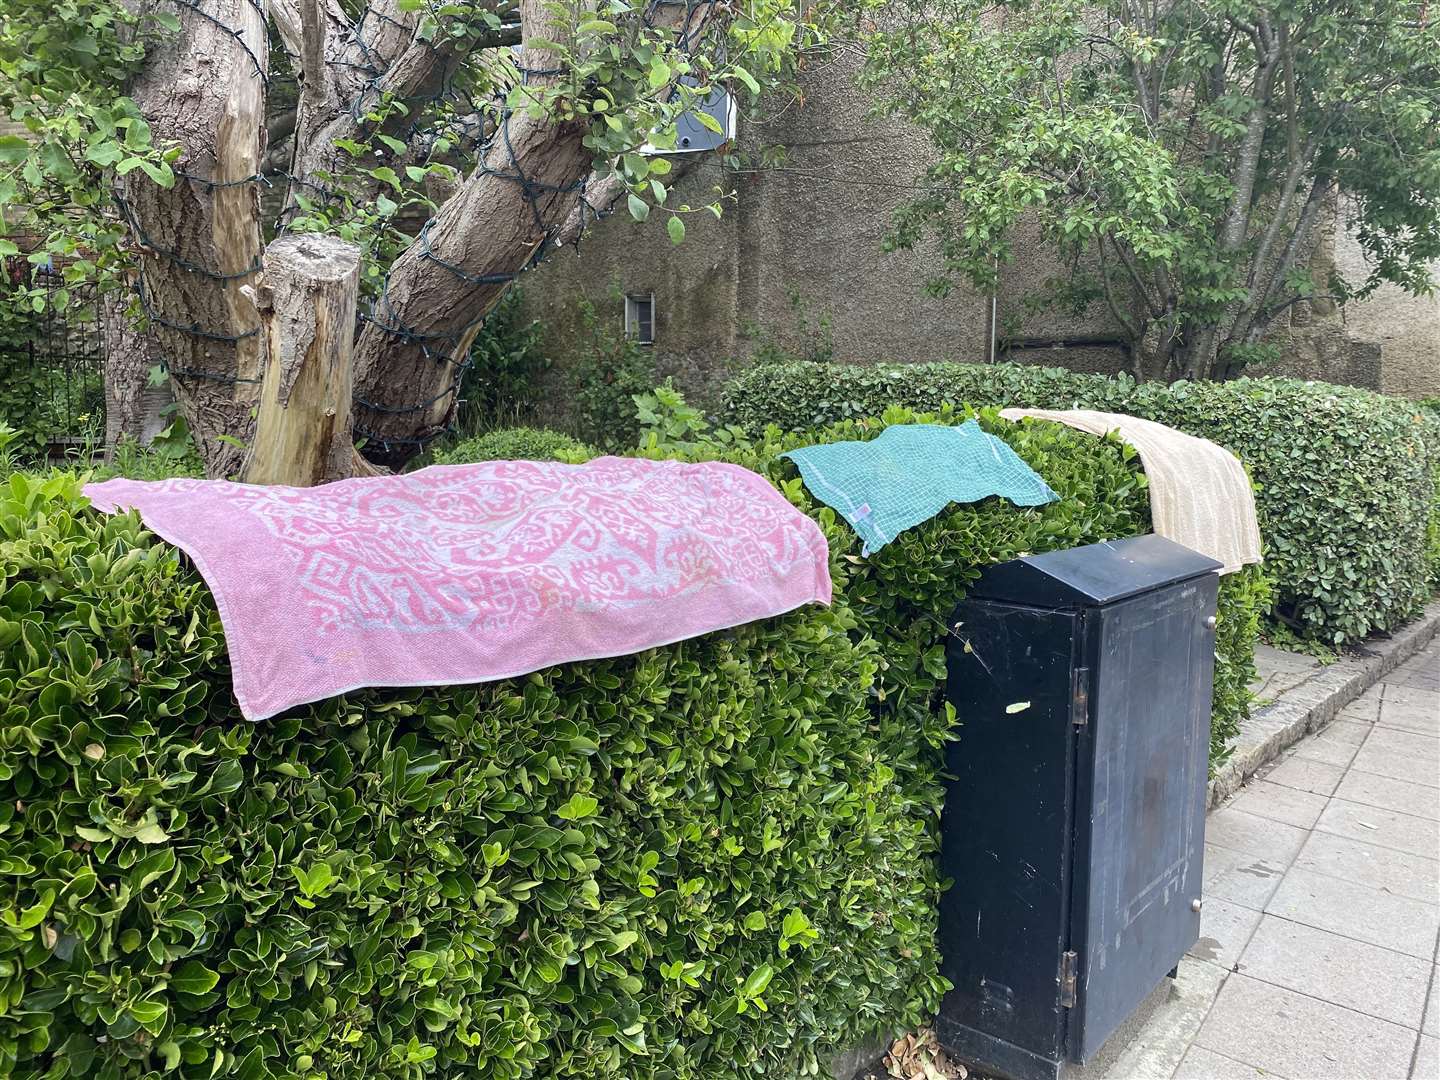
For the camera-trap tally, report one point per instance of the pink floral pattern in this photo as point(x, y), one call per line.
point(466, 573)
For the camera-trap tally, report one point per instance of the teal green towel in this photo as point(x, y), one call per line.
point(911, 472)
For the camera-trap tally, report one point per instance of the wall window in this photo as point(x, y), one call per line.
point(640, 318)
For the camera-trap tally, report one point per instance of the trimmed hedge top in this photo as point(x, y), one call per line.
point(515, 444)
point(1346, 479)
point(707, 861)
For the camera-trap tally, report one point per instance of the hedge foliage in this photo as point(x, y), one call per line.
point(707, 861)
point(1348, 481)
point(1430, 413)
point(515, 444)
point(693, 863)
point(904, 591)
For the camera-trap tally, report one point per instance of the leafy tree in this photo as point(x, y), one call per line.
point(1179, 153)
point(152, 133)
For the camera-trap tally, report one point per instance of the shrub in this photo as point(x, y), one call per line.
point(905, 591)
point(1344, 491)
point(1244, 598)
point(515, 444)
point(607, 371)
point(708, 861)
point(501, 382)
point(1430, 417)
point(606, 869)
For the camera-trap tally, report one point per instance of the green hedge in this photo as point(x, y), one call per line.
point(1346, 479)
point(1430, 415)
point(515, 444)
point(583, 873)
point(708, 861)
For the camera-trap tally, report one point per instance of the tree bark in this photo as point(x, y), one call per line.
point(525, 195)
point(1234, 227)
point(409, 353)
point(343, 72)
point(134, 409)
point(199, 242)
point(306, 298)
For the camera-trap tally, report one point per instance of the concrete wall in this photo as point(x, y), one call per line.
point(1404, 329)
point(1389, 341)
point(798, 245)
point(801, 245)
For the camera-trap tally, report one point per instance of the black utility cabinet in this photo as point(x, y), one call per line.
point(1074, 823)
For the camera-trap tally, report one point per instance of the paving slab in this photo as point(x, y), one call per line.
point(1406, 695)
point(1389, 794)
point(1225, 930)
point(1423, 719)
point(1305, 775)
point(1202, 1064)
point(1422, 682)
point(1279, 803)
point(1247, 880)
point(1401, 694)
point(1410, 743)
point(1344, 732)
point(1386, 869)
point(1229, 827)
point(1334, 745)
point(1289, 1034)
point(1345, 972)
point(1387, 828)
point(1410, 673)
point(1356, 911)
point(1427, 1059)
point(1398, 766)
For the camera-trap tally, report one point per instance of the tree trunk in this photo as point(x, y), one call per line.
point(200, 241)
point(345, 74)
point(306, 298)
point(525, 193)
point(1201, 352)
point(134, 408)
point(409, 356)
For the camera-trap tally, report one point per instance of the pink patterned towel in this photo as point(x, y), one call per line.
point(467, 573)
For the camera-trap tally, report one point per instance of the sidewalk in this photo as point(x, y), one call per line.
point(1318, 947)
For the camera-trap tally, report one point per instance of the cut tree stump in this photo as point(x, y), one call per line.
point(306, 296)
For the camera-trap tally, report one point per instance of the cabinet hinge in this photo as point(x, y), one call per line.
point(1068, 963)
point(1080, 697)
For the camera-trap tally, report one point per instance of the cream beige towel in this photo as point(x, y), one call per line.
point(1200, 495)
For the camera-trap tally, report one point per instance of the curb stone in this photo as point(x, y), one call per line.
point(1315, 702)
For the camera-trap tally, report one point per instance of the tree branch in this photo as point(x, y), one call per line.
point(507, 211)
point(312, 56)
point(1126, 323)
point(1234, 226)
point(1299, 239)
